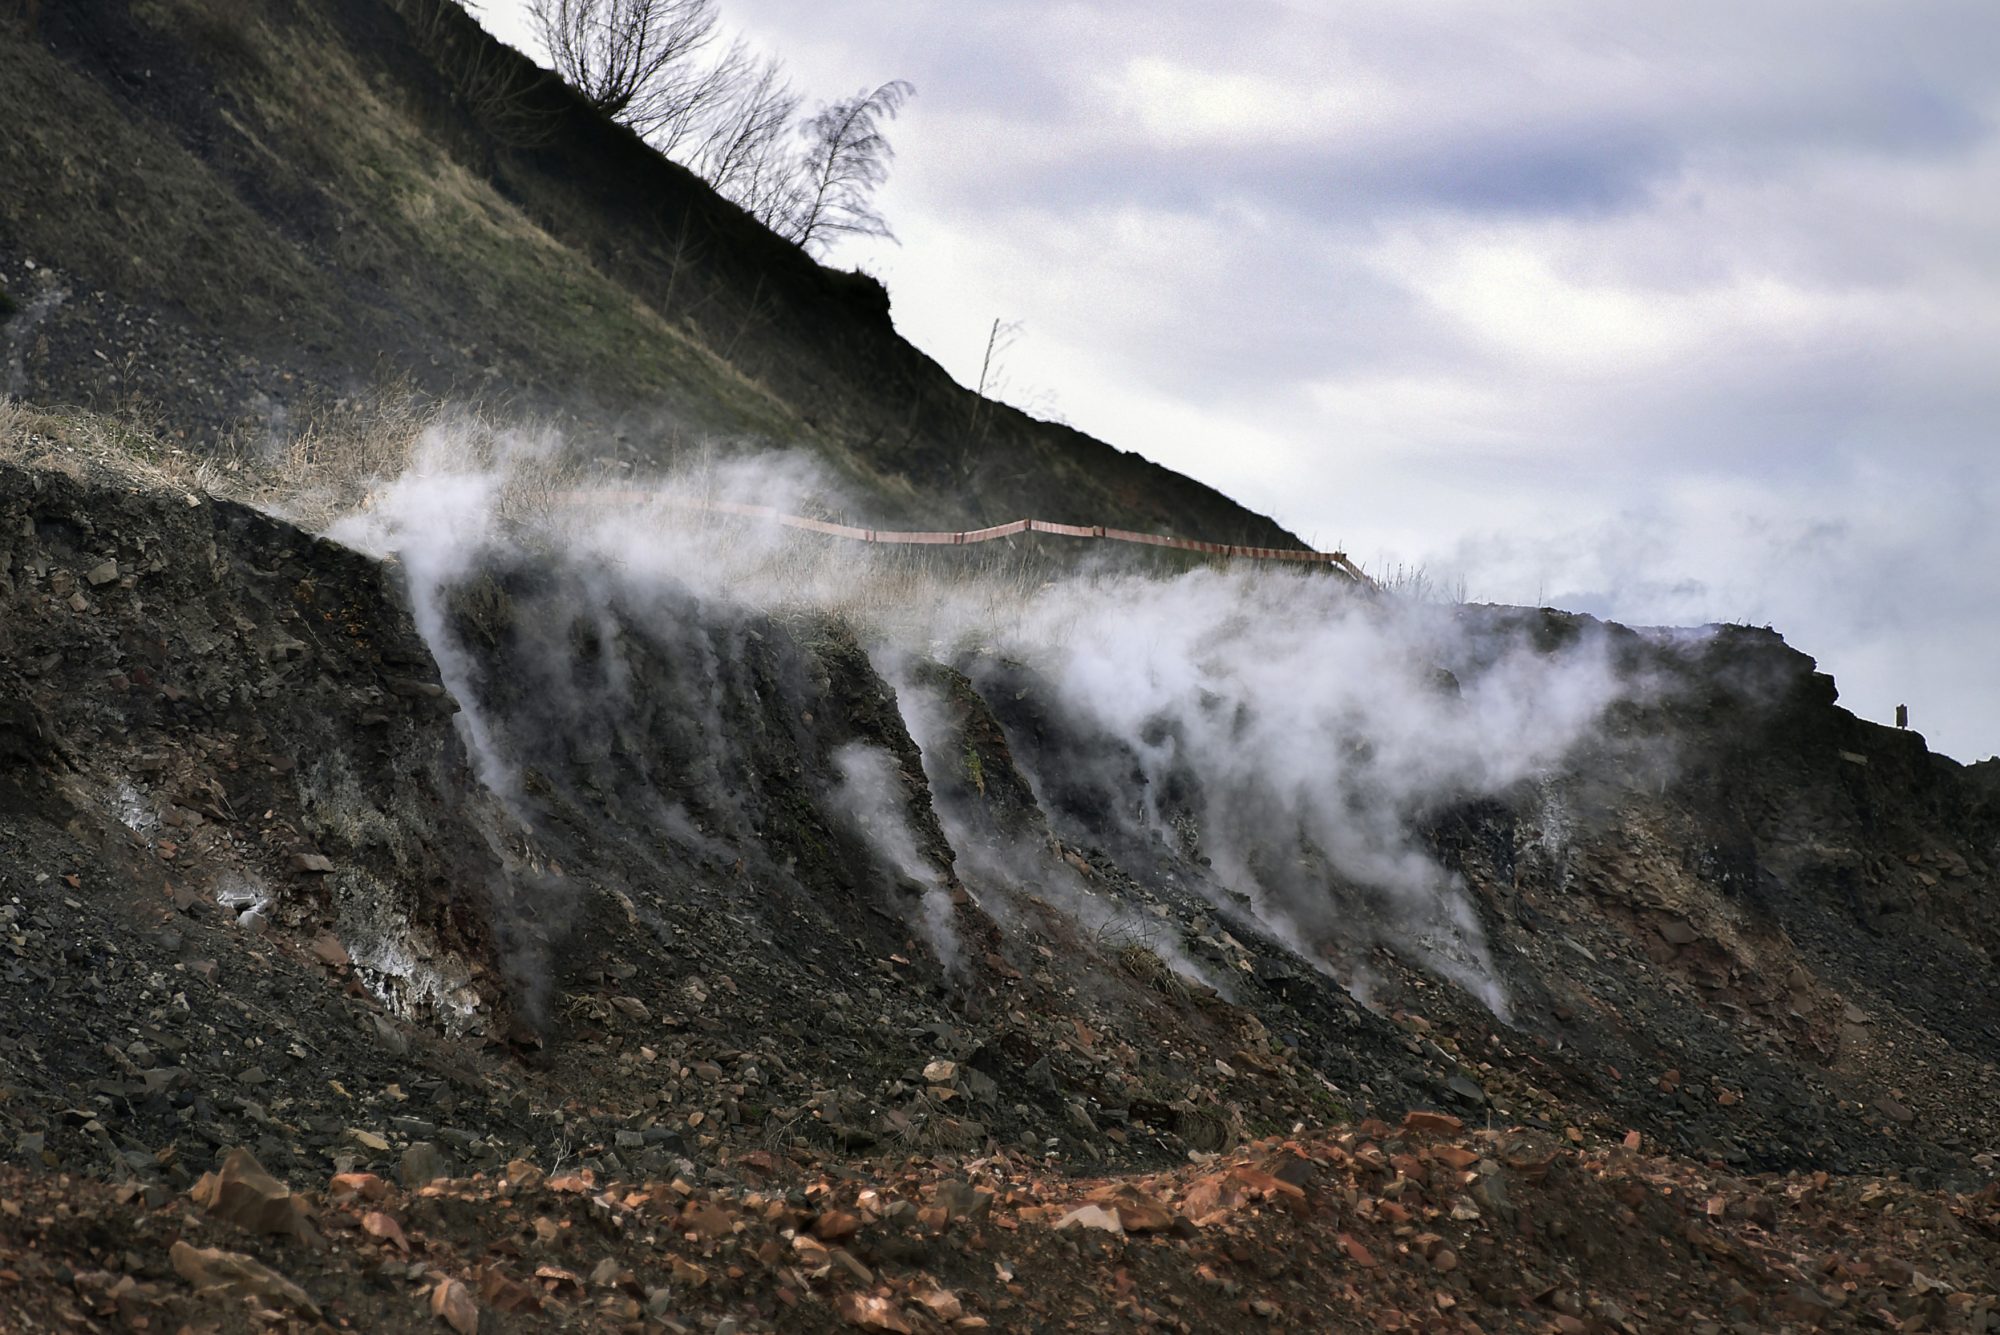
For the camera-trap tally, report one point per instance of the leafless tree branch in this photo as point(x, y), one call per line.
point(847, 159)
point(628, 58)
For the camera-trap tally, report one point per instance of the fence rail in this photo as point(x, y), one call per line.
point(1334, 560)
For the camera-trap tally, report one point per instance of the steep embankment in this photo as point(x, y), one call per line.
point(738, 896)
point(230, 212)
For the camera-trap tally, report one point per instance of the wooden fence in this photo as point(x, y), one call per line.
point(1334, 560)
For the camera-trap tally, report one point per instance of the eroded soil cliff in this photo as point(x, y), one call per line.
point(823, 979)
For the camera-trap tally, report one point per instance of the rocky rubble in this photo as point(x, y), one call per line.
point(1423, 1226)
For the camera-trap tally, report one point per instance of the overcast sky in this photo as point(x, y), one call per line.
point(1668, 313)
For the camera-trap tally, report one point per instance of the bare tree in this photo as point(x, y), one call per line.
point(630, 59)
point(746, 152)
point(691, 99)
point(727, 118)
point(847, 159)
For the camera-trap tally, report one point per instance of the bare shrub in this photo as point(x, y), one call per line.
point(630, 59)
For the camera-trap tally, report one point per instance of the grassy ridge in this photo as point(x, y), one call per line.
point(241, 211)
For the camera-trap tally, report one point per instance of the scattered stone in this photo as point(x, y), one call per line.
point(242, 1193)
point(962, 1200)
point(1431, 1123)
point(1091, 1216)
point(1466, 1091)
point(422, 1164)
point(392, 1039)
point(940, 1303)
point(314, 864)
point(1895, 1110)
point(871, 1312)
point(1679, 932)
point(212, 1268)
point(376, 1224)
point(836, 1225)
point(502, 1294)
point(452, 1303)
point(361, 1186)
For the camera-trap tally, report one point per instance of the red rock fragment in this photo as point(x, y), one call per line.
point(555, 1279)
point(213, 1268)
point(940, 1303)
point(836, 1225)
point(871, 1313)
point(1422, 1122)
point(242, 1193)
point(1356, 1252)
point(1214, 1197)
point(1091, 1216)
point(1137, 1212)
point(365, 1186)
point(708, 1223)
point(452, 1303)
point(378, 1225)
point(507, 1295)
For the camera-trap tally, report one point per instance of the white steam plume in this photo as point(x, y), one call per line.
point(1309, 729)
point(1302, 729)
point(872, 796)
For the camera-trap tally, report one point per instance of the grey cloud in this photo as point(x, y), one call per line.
point(1799, 196)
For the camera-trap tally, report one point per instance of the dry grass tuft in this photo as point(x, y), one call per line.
point(330, 465)
point(120, 451)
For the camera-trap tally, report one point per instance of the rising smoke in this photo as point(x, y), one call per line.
point(1273, 730)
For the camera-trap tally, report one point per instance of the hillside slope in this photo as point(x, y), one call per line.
point(457, 898)
point(230, 212)
point(551, 861)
